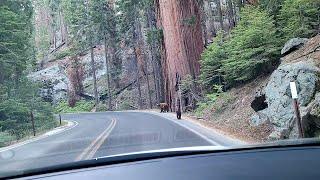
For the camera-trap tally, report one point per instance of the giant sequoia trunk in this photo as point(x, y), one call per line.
point(181, 23)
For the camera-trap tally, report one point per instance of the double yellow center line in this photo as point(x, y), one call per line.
point(89, 152)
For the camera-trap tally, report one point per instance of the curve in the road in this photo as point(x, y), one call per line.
point(101, 134)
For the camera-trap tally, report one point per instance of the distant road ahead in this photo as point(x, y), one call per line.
point(101, 134)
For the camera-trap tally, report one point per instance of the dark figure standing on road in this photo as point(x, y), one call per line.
point(178, 108)
point(178, 99)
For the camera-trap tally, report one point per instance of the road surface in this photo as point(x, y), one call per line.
point(101, 134)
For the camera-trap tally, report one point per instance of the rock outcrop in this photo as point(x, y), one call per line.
point(56, 82)
point(301, 66)
point(56, 79)
point(293, 44)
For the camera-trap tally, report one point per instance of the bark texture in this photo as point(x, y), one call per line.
point(109, 103)
point(182, 30)
point(230, 15)
point(94, 76)
point(220, 15)
point(155, 56)
point(211, 31)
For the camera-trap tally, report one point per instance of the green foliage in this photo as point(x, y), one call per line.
point(16, 46)
point(299, 18)
point(186, 84)
point(5, 138)
point(62, 54)
point(154, 35)
point(130, 10)
point(90, 23)
point(16, 107)
point(125, 105)
point(101, 107)
point(42, 35)
point(252, 49)
point(103, 17)
point(209, 101)
point(15, 118)
point(81, 106)
point(211, 62)
point(271, 6)
point(44, 42)
point(214, 102)
point(81, 30)
point(18, 96)
point(130, 14)
point(223, 101)
point(201, 107)
point(253, 46)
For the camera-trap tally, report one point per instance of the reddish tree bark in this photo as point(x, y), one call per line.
point(75, 73)
point(181, 23)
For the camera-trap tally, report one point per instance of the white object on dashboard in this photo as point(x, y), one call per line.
point(293, 88)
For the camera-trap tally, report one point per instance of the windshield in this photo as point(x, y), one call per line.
point(85, 79)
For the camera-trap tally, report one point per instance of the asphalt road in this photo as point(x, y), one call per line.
point(101, 134)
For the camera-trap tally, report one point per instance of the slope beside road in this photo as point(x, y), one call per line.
point(105, 134)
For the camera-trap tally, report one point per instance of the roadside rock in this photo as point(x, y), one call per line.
point(55, 83)
point(55, 79)
point(259, 118)
point(293, 44)
point(100, 72)
point(311, 117)
point(303, 68)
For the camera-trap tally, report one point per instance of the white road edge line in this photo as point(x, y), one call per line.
point(39, 137)
point(190, 129)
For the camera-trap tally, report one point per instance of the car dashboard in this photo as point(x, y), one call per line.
point(297, 162)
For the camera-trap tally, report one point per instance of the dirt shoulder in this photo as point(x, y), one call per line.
point(232, 117)
point(223, 132)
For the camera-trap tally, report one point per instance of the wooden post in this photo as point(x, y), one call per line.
point(32, 121)
point(294, 95)
point(298, 117)
point(60, 119)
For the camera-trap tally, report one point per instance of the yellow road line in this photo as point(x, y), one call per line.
point(95, 148)
point(93, 143)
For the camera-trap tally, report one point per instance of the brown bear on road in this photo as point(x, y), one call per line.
point(164, 107)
